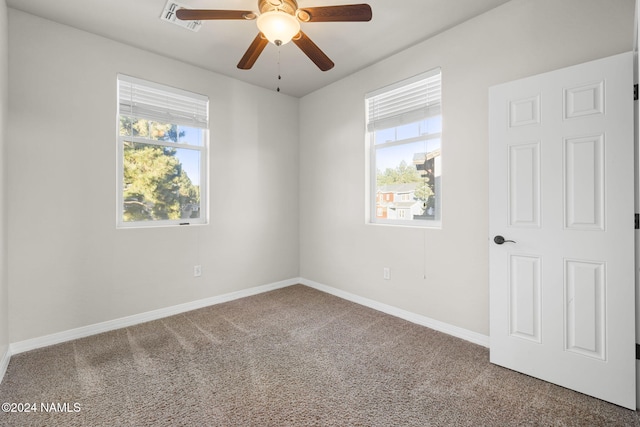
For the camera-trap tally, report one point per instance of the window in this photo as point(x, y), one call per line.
point(162, 155)
point(404, 133)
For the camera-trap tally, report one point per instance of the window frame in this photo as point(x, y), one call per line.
point(202, 149)
point(371, 215)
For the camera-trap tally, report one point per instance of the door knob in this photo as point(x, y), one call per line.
point(500, 240)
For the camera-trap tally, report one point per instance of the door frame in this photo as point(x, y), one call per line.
point(636, 72)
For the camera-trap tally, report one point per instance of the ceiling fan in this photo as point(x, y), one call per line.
point(279, 23)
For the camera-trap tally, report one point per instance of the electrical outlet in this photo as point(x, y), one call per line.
point(386, 273)
point(197, 271)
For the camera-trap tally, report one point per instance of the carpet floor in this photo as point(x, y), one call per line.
point(290, 357)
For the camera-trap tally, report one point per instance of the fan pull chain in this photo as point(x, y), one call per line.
point(279, 75)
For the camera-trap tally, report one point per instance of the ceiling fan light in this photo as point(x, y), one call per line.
point(278, 27)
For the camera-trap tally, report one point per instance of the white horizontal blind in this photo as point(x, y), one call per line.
point(164, 104)
point(405, 102)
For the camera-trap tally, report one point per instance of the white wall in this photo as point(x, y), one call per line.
point(68, 264)
point(518, 39)
point(4, 109)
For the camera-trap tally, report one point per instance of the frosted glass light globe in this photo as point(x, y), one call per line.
point(278, 27)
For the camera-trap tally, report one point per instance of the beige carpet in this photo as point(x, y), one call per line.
point(291, 357)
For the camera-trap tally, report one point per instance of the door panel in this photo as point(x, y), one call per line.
point(584, 182)
point(524, 185)
point(562, 195)
point(585, 322)
point(525, 292)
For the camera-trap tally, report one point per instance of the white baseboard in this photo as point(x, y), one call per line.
point(85, 331)
point(4, 362)
point(437, 325)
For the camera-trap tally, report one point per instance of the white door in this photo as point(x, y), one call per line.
point(562, 189)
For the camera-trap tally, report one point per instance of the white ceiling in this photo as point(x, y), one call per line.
point(219, 45)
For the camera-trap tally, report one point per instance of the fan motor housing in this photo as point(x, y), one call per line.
point(287, 6)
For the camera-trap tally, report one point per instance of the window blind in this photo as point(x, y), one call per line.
point(405, 102)
point(145, 100)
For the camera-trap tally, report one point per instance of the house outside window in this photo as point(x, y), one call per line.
point(162, 155)
point(404, 136)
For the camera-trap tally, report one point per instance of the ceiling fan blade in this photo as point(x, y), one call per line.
point(344, 13)
point(251, 55)
point(205, 14)
point(313, 51)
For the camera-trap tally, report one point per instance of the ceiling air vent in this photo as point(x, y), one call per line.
point(169, 15)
